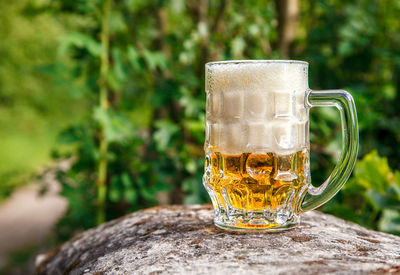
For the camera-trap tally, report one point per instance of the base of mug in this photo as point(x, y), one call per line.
point(257, 229)
point(256, 221)
point(267, 228)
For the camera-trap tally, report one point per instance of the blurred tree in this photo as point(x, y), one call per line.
point(354, 46)
point(142, 142)
point(154, 126)
point(128, 78)
point(288, 17)
point(35, 98)
point(157, 54)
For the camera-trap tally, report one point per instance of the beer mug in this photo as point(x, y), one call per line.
point(257, 150)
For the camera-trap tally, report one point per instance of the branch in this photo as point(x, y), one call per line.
point(104, 104)
point(288, 13)
point(220, 14)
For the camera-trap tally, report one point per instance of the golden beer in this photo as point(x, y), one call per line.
point(254, 182)
point(257, 182)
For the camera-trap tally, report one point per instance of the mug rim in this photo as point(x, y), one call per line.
point(249, 61)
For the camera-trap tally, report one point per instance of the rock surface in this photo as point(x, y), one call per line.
point(183, 240)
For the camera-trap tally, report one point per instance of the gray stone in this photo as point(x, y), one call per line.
point(183, 240)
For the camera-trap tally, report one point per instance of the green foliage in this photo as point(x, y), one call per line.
point(153, 119)
point(355, 45)
point(155, 123)
point(35, 93)
point(372, 196)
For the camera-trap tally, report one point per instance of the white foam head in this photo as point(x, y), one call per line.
point(256, 106)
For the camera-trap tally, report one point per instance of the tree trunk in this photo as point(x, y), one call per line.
point(288, 16)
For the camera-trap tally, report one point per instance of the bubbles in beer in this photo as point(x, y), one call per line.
point(252, 182)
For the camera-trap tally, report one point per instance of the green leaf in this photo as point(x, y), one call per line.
point(196, 129)
point(70, 135)
point(396, 186)
point(81, 41)
point(115, 191)
point(118, 66)
point(135, 5)
point(126, 180)
point(113, 81)
point(389, 91)
point(193, 106)
point(373, 172)
point(155, 60)
point(390, 221)
point(193, 188)
point(383, 201)
point(117, 22)
point(165, 131)
point(134, 58)
point(117, 128)
point(191, 166)
point(130, 195)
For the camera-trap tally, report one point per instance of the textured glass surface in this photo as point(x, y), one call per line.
point(257, 146)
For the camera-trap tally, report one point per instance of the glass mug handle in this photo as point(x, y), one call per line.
point(344, 102)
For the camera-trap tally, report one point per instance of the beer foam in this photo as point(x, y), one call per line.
point(256, 105)
point(264, 76)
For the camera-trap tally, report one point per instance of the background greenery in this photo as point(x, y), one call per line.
point(33, 90)
point(118, 87)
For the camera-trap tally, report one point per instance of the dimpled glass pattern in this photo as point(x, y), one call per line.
point(257, 145)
